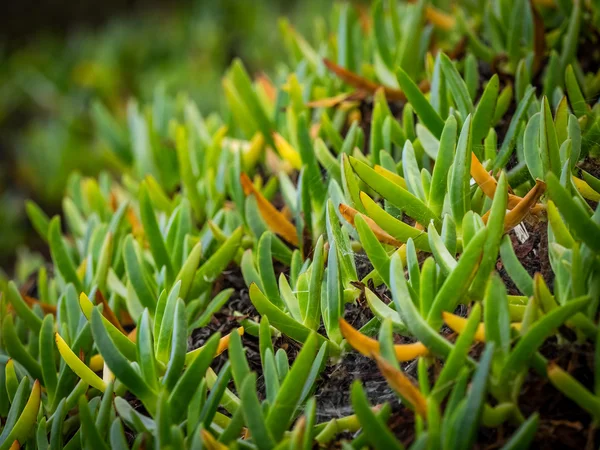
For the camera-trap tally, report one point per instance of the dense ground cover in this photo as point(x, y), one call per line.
point(390, 243)
point(54, 88)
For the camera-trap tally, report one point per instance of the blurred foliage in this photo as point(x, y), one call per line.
point(47, 88)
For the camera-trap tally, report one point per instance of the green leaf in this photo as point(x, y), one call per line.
point(410, 315)
point(104, 262)
point(522, 79)
point(383, 311)
point(47, 356)
point(239, 364)
point(117, 436)
point(473, 407)
point(459, 190)
point(443, 162)
point(216, 264)
point(378, 434)
point(38, 218)
point(381, 37)
point(428, 141)
point(458, 88)
point(561, 118)
point(334, 137)
point(282, 410)
point(17, 405)
point(428, 285)
point(484, 113)
point(137, 276)
point(516, 27)
point(459, 356)
point(278, 318)
point(577, 218)
point(307, 153)
point(333, 303)
point(399, 197)
point(25, 424)
point(266, 270)
point(412, 175)
point(78, 366)
point(336, 234)
point(118, 364)
point(133, 419)
point(177, 356)
point(395, 227)
point(154, 235)
point(264, 338)
point(311, 313)
point(510, 138)
point(350, 184)
point(549, 149)
point(186, 385)
point(495, 227)
point(427, 114)
point(73, 217)
point(216, 393)
point(253, 414)
point(105, 409)
point(552, 74)
point(531, 148)
point(14, 347)
point(574, 133)
point(438, 95)
point(409, 54)
point(375, 252)
point(525, 348)
point(145, 351)
point(504, 102)
point(243, 85)
point(471, 75)
point(576, 97)
point(90, 435)
point(497, 314)
point(327, 160)
point(571, 37)
point(289, 298)
point(457, 284)
point(32, 321)
point(188, 179)
point(188, 270)
point(60, 255)
point(213, 307)
point(56, 431)
point(524, 435)
point(121, 341)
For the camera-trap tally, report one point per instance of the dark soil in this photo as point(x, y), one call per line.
point(333, 391)
point(563, 424)
point(533, 255)
point(591, 166)
point(225, 320)
point(588, 54)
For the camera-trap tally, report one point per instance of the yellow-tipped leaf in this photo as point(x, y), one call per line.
point(77, 365)
point(369, 347)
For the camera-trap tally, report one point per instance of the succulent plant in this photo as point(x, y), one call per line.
point(382, 171)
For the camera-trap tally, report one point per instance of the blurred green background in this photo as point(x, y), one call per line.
point(59, 57)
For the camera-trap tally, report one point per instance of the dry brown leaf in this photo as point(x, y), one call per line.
point(368, 346)
point(275, 220)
